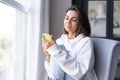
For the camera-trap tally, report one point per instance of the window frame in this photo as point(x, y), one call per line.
point(109, 19)
point(15, 5)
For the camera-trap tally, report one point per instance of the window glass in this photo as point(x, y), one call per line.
point(116, 20)
point(97, 18)
point(12, 35)
point(7, 40)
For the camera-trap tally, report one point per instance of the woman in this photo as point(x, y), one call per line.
point(71, 57)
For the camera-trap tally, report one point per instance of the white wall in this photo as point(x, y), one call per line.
point(57, 13)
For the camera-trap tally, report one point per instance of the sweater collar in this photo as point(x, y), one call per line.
point(76, 39)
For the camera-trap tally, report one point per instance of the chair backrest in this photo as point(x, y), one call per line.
point(107, 53)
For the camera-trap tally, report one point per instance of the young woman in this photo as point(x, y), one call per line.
point(71, 56)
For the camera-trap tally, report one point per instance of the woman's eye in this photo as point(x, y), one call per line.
point(66, 18)
point(75, 20)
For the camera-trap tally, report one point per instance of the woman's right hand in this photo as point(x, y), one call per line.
point(45, 51)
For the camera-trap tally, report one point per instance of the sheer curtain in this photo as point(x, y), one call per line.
point(38, 23)
point(28, 40)
point(44, 27)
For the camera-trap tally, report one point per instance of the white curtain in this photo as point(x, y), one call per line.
point(44, 27)
point(38, 22)
point(29, 41)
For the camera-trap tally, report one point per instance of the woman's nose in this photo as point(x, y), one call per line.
point(69, 22)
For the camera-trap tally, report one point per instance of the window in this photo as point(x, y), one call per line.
point(107, 26)
point(24, 27)
point(116, 19)
point(13, 24)
point(97, 18)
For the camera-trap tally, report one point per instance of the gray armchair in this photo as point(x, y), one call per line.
point(107, 53)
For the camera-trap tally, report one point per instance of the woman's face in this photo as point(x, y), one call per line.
point(71, 21)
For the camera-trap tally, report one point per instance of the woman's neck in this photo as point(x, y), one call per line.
point(71, 35)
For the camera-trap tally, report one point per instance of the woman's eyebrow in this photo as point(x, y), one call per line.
point(72, 17)
point(75, 17)
point(66, 16)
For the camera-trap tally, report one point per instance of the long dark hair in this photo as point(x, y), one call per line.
point(83, 21)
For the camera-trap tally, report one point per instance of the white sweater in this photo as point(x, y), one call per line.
point(71, 59)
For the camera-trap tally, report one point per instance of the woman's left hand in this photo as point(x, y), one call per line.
point(46, 44)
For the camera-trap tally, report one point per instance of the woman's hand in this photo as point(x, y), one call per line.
point(45, 46)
